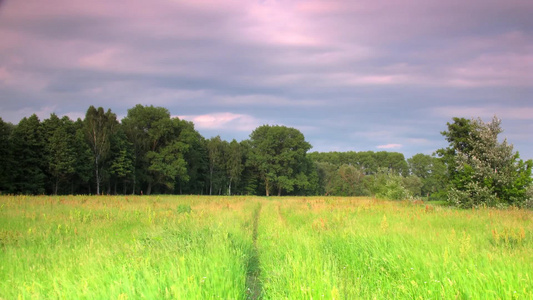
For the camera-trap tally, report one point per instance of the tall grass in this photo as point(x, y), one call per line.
point(363, 248)
point(192, 247)
point(117, 247)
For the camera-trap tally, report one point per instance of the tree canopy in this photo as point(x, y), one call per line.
point(483, 170)
point(278, 154)
point(149, 151)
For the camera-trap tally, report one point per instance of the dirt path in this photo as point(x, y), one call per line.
point(253, 283)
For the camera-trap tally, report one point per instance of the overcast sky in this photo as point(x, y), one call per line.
point(351, 75)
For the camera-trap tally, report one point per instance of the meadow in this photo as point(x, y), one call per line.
point(198, 247)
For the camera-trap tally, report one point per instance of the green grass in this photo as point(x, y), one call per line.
point(193, 247)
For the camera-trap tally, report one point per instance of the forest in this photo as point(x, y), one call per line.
point(151, 152)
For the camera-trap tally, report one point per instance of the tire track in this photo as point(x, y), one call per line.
point(253, 283)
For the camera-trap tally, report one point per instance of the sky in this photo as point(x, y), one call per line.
point(350, 75)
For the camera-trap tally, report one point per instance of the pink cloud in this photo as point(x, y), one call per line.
point(224, 121)
point(4, 74)
point(390, 146)
point(100, 60)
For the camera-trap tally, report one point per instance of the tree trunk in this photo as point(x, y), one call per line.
point(56, 186)
point(267, 188)
point(97, 177)
point(229, 187)
point(279, 191)
point(149, 188)
point(210, 181)
point(133, 187)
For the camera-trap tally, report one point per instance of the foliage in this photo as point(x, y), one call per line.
point(149, 151)
point(121, 160)
point(99, 128)
point(430, 170)
point(485, 171)
point(367, 161)
point(388, 185)
point(168, 164)
point(27, 148)
point(59, 149)
point(6, 158)
point(216, 150)
point(278, 152)
point(234, 163)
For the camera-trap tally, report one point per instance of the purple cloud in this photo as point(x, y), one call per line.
point(341, 70)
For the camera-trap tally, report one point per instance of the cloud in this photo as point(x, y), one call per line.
point(390, 146)
point(353, 74)
point(485, 112)
point(223, 121)
point(100, 60)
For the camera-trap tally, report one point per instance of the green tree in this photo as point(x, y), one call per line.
point(83, 166)
point(168, 163)
point(121, 158)
point(250, 178)
point(431, 171)
point(99, 127)
point(278, 153)
point(148, 129)
point(457, 136)
point(234, 163)
point(367, 162)
point(413, 184)
point(28, 155)
point(196, 158)
point(217, 167)
point(487, 172)
point(159, 139)
point(387, 184)
point(6, 160)
point(350, 181)
point(59, 149)
point(327, 174)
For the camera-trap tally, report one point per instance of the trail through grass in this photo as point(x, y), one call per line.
point(193, 247)
point(253, 283)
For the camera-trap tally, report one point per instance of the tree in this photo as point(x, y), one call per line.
point(350, 181)
point(367, 162)
point(83, 166)
point(28, 155)
point(121, 159)
point(59, 149)
point(99, 127)
point(159, 139)
point(168, 164)
point(387, 184)
point(234, 163)
point(327, 175)
point(486, 171)
point(6, 161)
point(413, 184)
point(196, 158)
point(148, 128)
point(216, 151)
point(392, 161)
point(278, 153)
point(430, 170)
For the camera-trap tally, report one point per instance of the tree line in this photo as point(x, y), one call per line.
point(149, 151)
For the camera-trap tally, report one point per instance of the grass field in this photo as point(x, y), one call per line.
point(194, 247)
